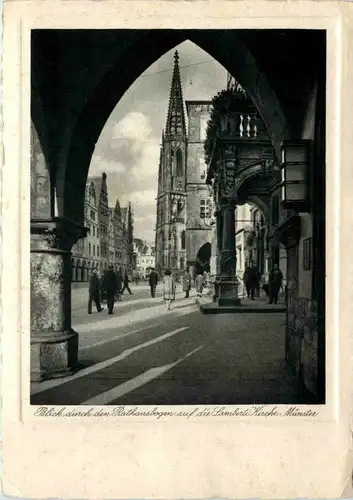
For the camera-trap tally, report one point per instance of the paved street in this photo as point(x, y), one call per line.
point(144, 354)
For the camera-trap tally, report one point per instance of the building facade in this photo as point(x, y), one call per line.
point(145, 257)
point(184, 201)
point(171, 195)
point(86, 252)
point(107, 240)
point(199, 203)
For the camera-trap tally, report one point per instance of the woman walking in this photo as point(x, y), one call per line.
point(168, 288)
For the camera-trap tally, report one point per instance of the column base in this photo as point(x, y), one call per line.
point(228, 292)
point(54, 356)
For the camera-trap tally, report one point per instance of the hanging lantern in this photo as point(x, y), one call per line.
point(295, 171)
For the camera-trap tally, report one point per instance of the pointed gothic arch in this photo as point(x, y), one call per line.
point(203, 258)
point(232, 51)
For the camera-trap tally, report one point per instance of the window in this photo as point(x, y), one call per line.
point(203, 169)
point(93, 215)
point(94, 231)
point(307, 254)
point(94, 250)
point(89, 248)
point(203, 127)
point(205, 209)
point(97, 251)
point(179, 163)
point(183, 240)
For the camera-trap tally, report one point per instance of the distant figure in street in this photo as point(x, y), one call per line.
point(275, 280)
point(246, 280)
point(93, 291)
point(186, 283)
point(110, 286)
point(199, 283)
point(137, 278)
point(119, 282)
point(153, 282)
point(253, 279)
point(126, 284)
point(168, 288)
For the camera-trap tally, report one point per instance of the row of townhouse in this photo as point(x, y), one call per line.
point(110, 232)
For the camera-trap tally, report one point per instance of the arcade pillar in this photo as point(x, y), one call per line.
point(54, 345)
point(228, 282)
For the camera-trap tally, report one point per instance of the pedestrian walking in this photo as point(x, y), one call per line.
point(246, 280)
point(126, 285)
point(168, 288)
point(93, 292)
point(110, 287)
point(186, 283)
point(199, 282)
point(153, 282)
point(119, 282)
point(275, 281)
point(253, 279)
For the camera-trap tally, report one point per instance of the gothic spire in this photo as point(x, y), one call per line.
point(175, 126)
point(117, 208)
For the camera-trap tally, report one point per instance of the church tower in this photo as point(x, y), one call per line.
point(171, 195)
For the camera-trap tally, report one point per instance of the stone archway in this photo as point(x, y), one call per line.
point(75, 106)
point(229, 48)
point(203, 258)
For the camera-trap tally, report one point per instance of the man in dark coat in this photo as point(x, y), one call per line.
point(93, 292)
point(153, 281)
point(253, 279)
point(246, 280)
point(119, 282)
point(109, 285)
point(275, 282)
point(126, 284)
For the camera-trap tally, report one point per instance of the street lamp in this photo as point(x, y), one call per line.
point(295, 169)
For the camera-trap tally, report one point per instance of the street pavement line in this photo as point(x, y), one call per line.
point(117, 337)
point(144, 378)
point(127, 318)
point(50, 384)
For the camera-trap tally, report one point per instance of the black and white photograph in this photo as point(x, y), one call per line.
point(177, 217)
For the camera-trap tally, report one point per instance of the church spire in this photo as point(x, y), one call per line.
point(175, 126)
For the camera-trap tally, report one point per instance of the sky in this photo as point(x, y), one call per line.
point(129, 145)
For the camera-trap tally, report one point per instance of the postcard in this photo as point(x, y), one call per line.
point(176, 264)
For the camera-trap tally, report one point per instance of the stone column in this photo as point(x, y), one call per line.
point(219, 226)
point(54, 345)
point(228, 282)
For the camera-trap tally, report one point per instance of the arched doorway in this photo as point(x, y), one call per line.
point(203, 258)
